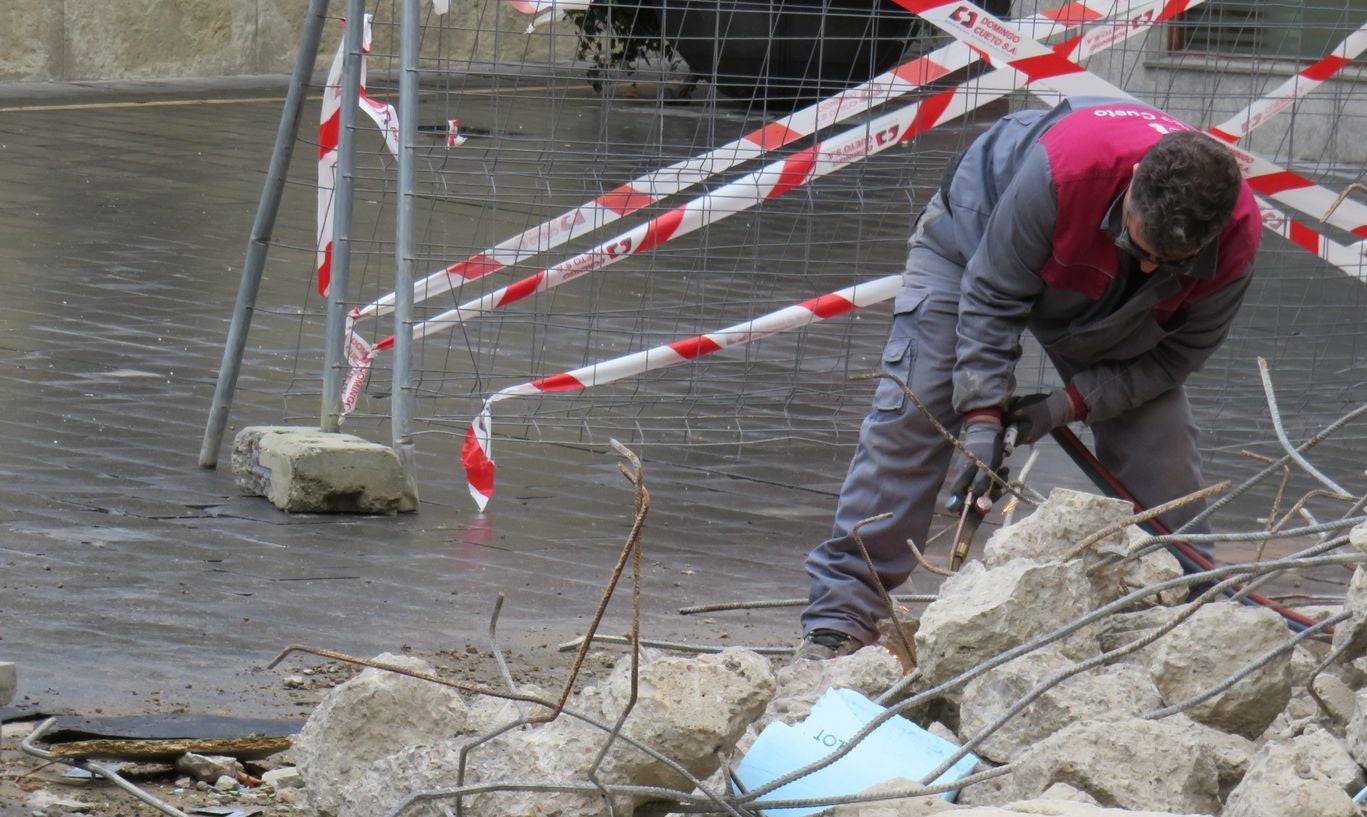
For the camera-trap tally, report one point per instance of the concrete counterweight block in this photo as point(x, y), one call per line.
point(304, 470)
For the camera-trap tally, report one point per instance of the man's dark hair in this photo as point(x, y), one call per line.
point(1184, 191)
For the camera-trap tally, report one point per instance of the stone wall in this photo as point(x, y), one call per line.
point(75, 40)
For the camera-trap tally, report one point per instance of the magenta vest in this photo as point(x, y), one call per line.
point(1092, 153)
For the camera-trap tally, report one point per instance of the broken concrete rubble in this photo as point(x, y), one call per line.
point(1057, 526)
point(984, 612)
point(1103, 693)
point(1131, 763)
point(1086, 747)
point(1308, 776)
point(1356, 732)
point(869, 671)
point(1351, 636)
point(1066, 519)
point(1219, 640)
point(688, 709)
point(369, 717)
point(1042, 807)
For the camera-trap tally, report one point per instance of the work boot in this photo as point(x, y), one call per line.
point(821, 644)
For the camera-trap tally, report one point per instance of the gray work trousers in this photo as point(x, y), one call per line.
point(901, 459)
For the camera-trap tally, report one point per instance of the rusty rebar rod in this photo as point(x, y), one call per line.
point(1144, 516)
point(675, 646)
point(635, 476)
point(1243, 487)
point(878, 581)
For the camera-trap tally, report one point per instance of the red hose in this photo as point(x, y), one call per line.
point(1103, 479)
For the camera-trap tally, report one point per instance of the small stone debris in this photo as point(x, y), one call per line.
point(209, 768)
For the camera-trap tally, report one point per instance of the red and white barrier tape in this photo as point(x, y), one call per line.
point(477, 457)
point(476, 452)
point(652, 187)
point(329, 131)
point(1053, 69)
point(1286, 94)
point(769, 182)
point(1006, 45)
point(1351, 259)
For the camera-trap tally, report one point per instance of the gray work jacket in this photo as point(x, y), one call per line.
point(999, 228)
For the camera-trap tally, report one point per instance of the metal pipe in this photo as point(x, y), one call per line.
point(405, 249)
point(721, 607)
point(343, 191)
point(96, 769)
point(259, 242)
point(1290, 449)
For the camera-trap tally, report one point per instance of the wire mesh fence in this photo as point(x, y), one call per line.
point(564, 147)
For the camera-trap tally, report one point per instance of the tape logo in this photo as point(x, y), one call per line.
point(964, 16)
point(886, 135)
point(1145, 19)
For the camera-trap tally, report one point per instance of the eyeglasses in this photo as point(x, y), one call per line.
point(1175, 266)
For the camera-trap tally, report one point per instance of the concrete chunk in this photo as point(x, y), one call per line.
point(1131, 763)
point(1351, 635)
point(1068, 517)
point(1057, 526)
point(1308, 776)
point(1103, 693)
point(367, 718)
point(304, 470)
point(689, 709)
point(1219, 640)
point(209, 768)
point(981, 613)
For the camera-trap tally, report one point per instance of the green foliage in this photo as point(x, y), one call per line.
point(621, 38)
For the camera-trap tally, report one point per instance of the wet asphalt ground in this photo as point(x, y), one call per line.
point(132, 580)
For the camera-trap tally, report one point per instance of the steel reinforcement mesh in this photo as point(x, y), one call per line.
point(563, 108)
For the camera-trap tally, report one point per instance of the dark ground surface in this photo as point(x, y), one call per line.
point(133, 581)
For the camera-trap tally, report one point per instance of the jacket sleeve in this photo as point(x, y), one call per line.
point(1001, 280)
point(1111, 389)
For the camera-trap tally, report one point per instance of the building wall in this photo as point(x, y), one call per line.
point(1206, 89)
point(74, 40)
point(71, 40)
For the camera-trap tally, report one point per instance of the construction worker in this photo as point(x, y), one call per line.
point(1124, 241)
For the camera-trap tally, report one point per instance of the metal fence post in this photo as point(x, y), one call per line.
point(334, 353)
point(405, 249)
point(259, 242)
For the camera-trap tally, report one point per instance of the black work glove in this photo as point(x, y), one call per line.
point(1035, 415)
point(984, 436)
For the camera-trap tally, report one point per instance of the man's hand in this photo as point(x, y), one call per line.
point(984, 436)
point(1035, 415)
